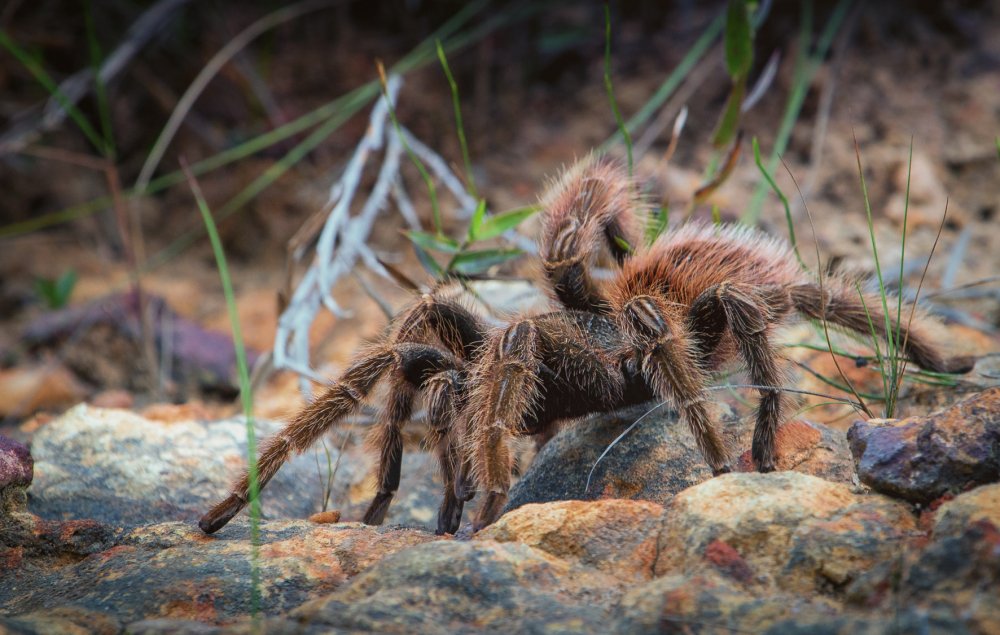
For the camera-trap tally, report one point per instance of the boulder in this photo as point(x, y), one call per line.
point(617, 537)
point(659, 457)
point(784, 529)
point(173, 570)
point(954, 516)
point(120, 468)
point(478, 586)
point(921, 459)
point(16, 472)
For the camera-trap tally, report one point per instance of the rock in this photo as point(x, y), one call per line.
point(120, 468)
point(64, 621)
point(117, 467)
point(659, 457)
point(708, 603)
point(786, 530)
point(16, 465)
point(982, 503)
point(478, 586)
point(954, 576)
point(810, 448)
point(26, 389)
point(617, 537)
point(173, 570)
point(922, 458)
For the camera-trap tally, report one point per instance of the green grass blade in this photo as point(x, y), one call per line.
point(806, 68)
point(781, 196)
point(457, 105)
point(50, 85)
point(245, 389)
point(670, 84)
point(622, 128)
point(96, 58)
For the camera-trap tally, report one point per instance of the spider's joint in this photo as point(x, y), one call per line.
point(643, 312)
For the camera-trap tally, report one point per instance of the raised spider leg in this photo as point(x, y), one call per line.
point(746, 312)
point(666, 354)
point(593, 205)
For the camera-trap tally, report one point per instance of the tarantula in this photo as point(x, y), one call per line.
point(697, 299)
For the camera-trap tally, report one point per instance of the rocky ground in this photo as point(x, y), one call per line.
point(97, 535)
point(875, 526)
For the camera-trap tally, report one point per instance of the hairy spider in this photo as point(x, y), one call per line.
point(699, 298)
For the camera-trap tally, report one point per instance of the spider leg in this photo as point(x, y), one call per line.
point(338, 401)
point(443, 391)
point(840, 303)
point(593, 205)
point(747, 313)
point(416, 366)
point(505, 393)
point(667, 359)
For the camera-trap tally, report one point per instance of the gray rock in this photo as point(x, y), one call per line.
point(119, 468)
point(923, 458)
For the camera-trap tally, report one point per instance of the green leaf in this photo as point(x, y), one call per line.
point(657, 224)
point(730, 120)
point(56, 293)
point(739, 40)
point(493, 226)
point(477, 220)
point(621, 242)
point(64, 286)
point(428, 263)
point(470, 263)
point(432, 242)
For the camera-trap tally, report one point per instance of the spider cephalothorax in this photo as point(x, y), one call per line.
point(699, 298)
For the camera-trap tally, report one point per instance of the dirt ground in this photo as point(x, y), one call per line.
point(897, 75)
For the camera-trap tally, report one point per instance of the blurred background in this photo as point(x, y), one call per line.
point(109, 288)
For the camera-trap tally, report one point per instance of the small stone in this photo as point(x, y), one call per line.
point(16, 464)
point(922, 458)
point(325, 518)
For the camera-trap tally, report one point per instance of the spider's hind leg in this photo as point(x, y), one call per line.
point(747, 313)
point(844, 306)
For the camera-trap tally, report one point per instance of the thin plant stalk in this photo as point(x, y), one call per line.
point(806, 68)
point(622, 128)
point(460, 128)
point(246, 397)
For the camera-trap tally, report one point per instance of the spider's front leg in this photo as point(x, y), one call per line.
point(506, 390)
point(666, 357)
point(747, 313)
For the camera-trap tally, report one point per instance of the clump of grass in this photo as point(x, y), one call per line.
point(246, 396)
